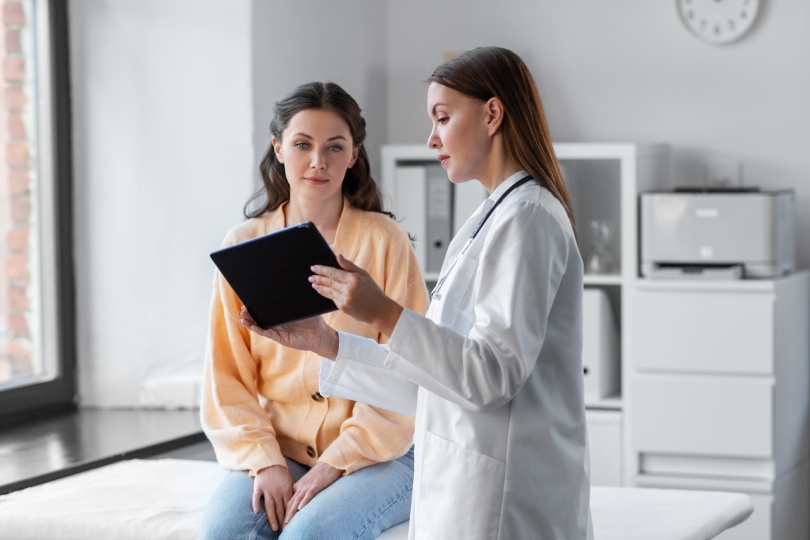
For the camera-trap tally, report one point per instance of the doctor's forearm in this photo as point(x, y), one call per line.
point(387, 316)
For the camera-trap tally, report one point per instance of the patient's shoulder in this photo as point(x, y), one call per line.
point(248, 229)
point(375, 226)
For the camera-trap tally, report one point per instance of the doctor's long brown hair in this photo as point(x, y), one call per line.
point(359, 187)
point(487, 72)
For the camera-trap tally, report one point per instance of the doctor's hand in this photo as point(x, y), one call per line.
point(275, 485)
point(355, 293)
point(311, 334)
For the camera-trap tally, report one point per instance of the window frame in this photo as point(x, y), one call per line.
point(60, 393)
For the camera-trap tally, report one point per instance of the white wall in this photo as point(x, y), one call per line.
point(172, 100)
point(629, 71)
point(312, 40)
point(163, 162)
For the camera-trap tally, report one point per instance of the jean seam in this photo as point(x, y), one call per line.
point(381, 512)
point(262, 521)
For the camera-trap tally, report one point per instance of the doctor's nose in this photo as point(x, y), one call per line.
point(433, 140)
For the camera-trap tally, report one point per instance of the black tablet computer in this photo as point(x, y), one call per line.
point(270, 274)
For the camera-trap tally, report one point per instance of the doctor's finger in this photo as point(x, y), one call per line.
point(349, 266)
point(331, 272)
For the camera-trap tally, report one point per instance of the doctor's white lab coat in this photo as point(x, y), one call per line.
point(493, 374)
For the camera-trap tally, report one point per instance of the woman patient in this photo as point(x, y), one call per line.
point(302, 465)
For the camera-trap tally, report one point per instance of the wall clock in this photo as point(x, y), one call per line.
point(718, 21)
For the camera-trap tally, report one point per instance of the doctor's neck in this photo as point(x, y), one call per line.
point(498, 166)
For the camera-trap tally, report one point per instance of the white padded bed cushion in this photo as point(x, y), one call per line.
point(164, 499)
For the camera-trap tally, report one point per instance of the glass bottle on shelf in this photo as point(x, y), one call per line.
point(600, 260)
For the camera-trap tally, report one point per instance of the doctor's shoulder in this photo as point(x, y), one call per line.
point(536, 204)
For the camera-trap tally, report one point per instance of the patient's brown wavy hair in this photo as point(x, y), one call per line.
point(359, 187)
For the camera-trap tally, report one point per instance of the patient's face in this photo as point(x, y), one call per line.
point(316, 150)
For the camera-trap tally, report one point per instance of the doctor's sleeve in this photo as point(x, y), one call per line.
point(358, 374)
point(519, 273)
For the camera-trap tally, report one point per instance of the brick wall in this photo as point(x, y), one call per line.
point(16, 197)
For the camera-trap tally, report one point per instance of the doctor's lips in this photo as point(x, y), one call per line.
point(442, 158)
point(316, 179)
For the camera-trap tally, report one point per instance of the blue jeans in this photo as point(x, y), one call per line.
point(357, 506)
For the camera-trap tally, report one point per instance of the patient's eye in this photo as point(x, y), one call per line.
point(302, 145)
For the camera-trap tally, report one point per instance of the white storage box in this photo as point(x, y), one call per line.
point(600, 345)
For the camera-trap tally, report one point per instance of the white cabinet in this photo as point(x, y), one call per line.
point(604, 181)
point(717, 394)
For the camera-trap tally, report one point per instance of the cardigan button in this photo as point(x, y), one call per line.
point(317, 396)
point(310, 451)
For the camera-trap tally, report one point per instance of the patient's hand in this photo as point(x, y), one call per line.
point(313, 482)
point(311, 334)
point(274, 485)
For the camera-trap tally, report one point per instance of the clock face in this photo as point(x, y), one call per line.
point(718, 21)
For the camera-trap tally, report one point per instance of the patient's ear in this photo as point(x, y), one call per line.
point(355, 153)
point(277, 149)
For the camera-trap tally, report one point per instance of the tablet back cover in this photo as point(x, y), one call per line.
point(270, 274)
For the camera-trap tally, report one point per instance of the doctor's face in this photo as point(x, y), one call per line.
point(316, 150)
point(459, 132)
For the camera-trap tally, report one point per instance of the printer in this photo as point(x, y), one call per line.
point(717, 232)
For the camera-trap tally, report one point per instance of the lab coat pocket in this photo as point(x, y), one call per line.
point(455, 290)
point(461, 492)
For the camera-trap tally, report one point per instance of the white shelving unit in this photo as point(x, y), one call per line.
point(604, 180)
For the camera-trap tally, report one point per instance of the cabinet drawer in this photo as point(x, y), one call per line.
point(702, 416)
point(703, 332)
point(605, 445)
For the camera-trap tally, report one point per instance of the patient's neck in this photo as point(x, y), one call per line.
point(324, 214)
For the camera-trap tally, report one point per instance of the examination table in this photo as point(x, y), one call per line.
point(163, 499)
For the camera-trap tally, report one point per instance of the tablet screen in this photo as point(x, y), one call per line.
point(270, 274)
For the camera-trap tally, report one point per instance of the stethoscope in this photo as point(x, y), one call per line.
point(434, 294)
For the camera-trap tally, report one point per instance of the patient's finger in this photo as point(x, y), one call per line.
point(292, 507)
point(271, 509)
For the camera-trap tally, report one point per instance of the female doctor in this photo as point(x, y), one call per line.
point(493, 372)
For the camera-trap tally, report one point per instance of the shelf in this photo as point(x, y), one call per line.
point(613, 402)
point(722, 285)
point(607, 279)
point(603, 181)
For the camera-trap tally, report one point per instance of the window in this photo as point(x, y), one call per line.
point(37, 337)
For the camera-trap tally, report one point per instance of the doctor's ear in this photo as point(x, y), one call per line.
point(494, 113)
point(277, 149)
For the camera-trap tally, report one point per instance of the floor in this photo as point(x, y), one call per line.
point(46, 449)
point(202, 451)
